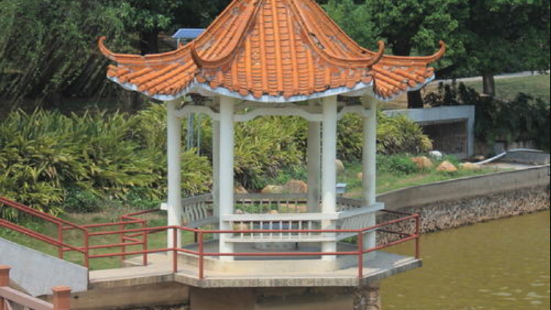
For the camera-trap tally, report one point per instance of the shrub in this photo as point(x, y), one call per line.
point(524, 118)
point(397, 164)
point(46, 157)
point(265, 146)
point(54, 162)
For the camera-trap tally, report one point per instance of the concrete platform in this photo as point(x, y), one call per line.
point(381, 266)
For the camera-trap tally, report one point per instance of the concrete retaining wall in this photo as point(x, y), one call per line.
point(445, 115)
point(38, 273)
point(449, 205)
point(458, 190)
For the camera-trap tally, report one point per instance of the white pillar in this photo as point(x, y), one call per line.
point(216, 166)
point(370, 168)
point(314, 166)
point(174, 154)
point(227, 109)
point(329, 170)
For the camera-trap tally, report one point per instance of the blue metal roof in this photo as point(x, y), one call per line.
point(188, 33)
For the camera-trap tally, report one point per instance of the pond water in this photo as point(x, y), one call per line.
point(501, 265)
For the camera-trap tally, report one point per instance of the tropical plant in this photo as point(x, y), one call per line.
point(46, 155)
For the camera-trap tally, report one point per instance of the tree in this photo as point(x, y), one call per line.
point(49, 48)
point(410, 27)
point(506, 36)
point(149, 18)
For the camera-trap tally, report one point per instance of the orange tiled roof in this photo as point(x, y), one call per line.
point(271, 50)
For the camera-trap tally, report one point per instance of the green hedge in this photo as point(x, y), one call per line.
point(55, 162)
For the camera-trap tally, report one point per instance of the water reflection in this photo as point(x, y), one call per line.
point(502, 265)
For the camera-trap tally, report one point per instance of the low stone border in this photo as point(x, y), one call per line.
point(453, 204)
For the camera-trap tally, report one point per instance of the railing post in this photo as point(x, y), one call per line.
point(361, 255)
point(86, 249)
point(4, 276)
point(123, 241)
point(60, 237)
point(201, 256)
point(145, 245)
point(62, 298)
point(418, 239)
point(4, 282)
point(175, 250)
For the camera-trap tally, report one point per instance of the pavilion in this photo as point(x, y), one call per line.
point(283, 58)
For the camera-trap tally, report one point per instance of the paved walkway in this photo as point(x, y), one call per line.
point(383, 265)
point(498, 77)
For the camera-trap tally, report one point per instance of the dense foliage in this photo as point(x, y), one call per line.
point(53, 162)
point(46, 156)
point(48, 50)
point(523, 119)
point(485, 37)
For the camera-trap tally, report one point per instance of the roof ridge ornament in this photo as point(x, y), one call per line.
point(235, 42)
point(380, 54)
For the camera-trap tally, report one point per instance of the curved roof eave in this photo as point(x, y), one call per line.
point(202, 88)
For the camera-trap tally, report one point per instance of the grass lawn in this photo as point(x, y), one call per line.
point(74, 238)
point(386, 182)
point(537, 86)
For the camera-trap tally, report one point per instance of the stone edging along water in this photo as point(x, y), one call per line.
point(452, 204)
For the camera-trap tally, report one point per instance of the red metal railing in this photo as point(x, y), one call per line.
point(61, 298)
point(130, 237)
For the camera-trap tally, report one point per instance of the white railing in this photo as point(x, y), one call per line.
point(271, 203)
point(199, 211)
point(265, 212)
point(268, 222)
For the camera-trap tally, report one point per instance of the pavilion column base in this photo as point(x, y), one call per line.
point(367, 298)
point(319, 298)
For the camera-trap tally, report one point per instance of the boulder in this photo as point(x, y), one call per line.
point(471, 167)
point(447, 167)
point(340, 166)
point(273, 189)
point(239, 189)
point(436, 155)
point(479, 158)
point(296, 187)
point(241, 227)
point(423, 162)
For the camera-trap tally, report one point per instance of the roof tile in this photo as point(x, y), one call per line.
point(277, 48)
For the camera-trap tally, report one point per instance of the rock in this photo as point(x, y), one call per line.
point(239, 189)
point(296, 187)
point(423, 162)
point(241, 227)
point(471, 167)
point(239, 212)
point(340, 166)
point(273, 212)
point(479, 158)
point(273, 189)
point(436, 155)
point(447, 167)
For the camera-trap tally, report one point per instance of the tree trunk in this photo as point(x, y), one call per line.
point(489, 81)
point(403, 48)
point(415, 100)
point(149, 42)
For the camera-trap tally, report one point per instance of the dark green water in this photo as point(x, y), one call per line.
point(502, 265)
